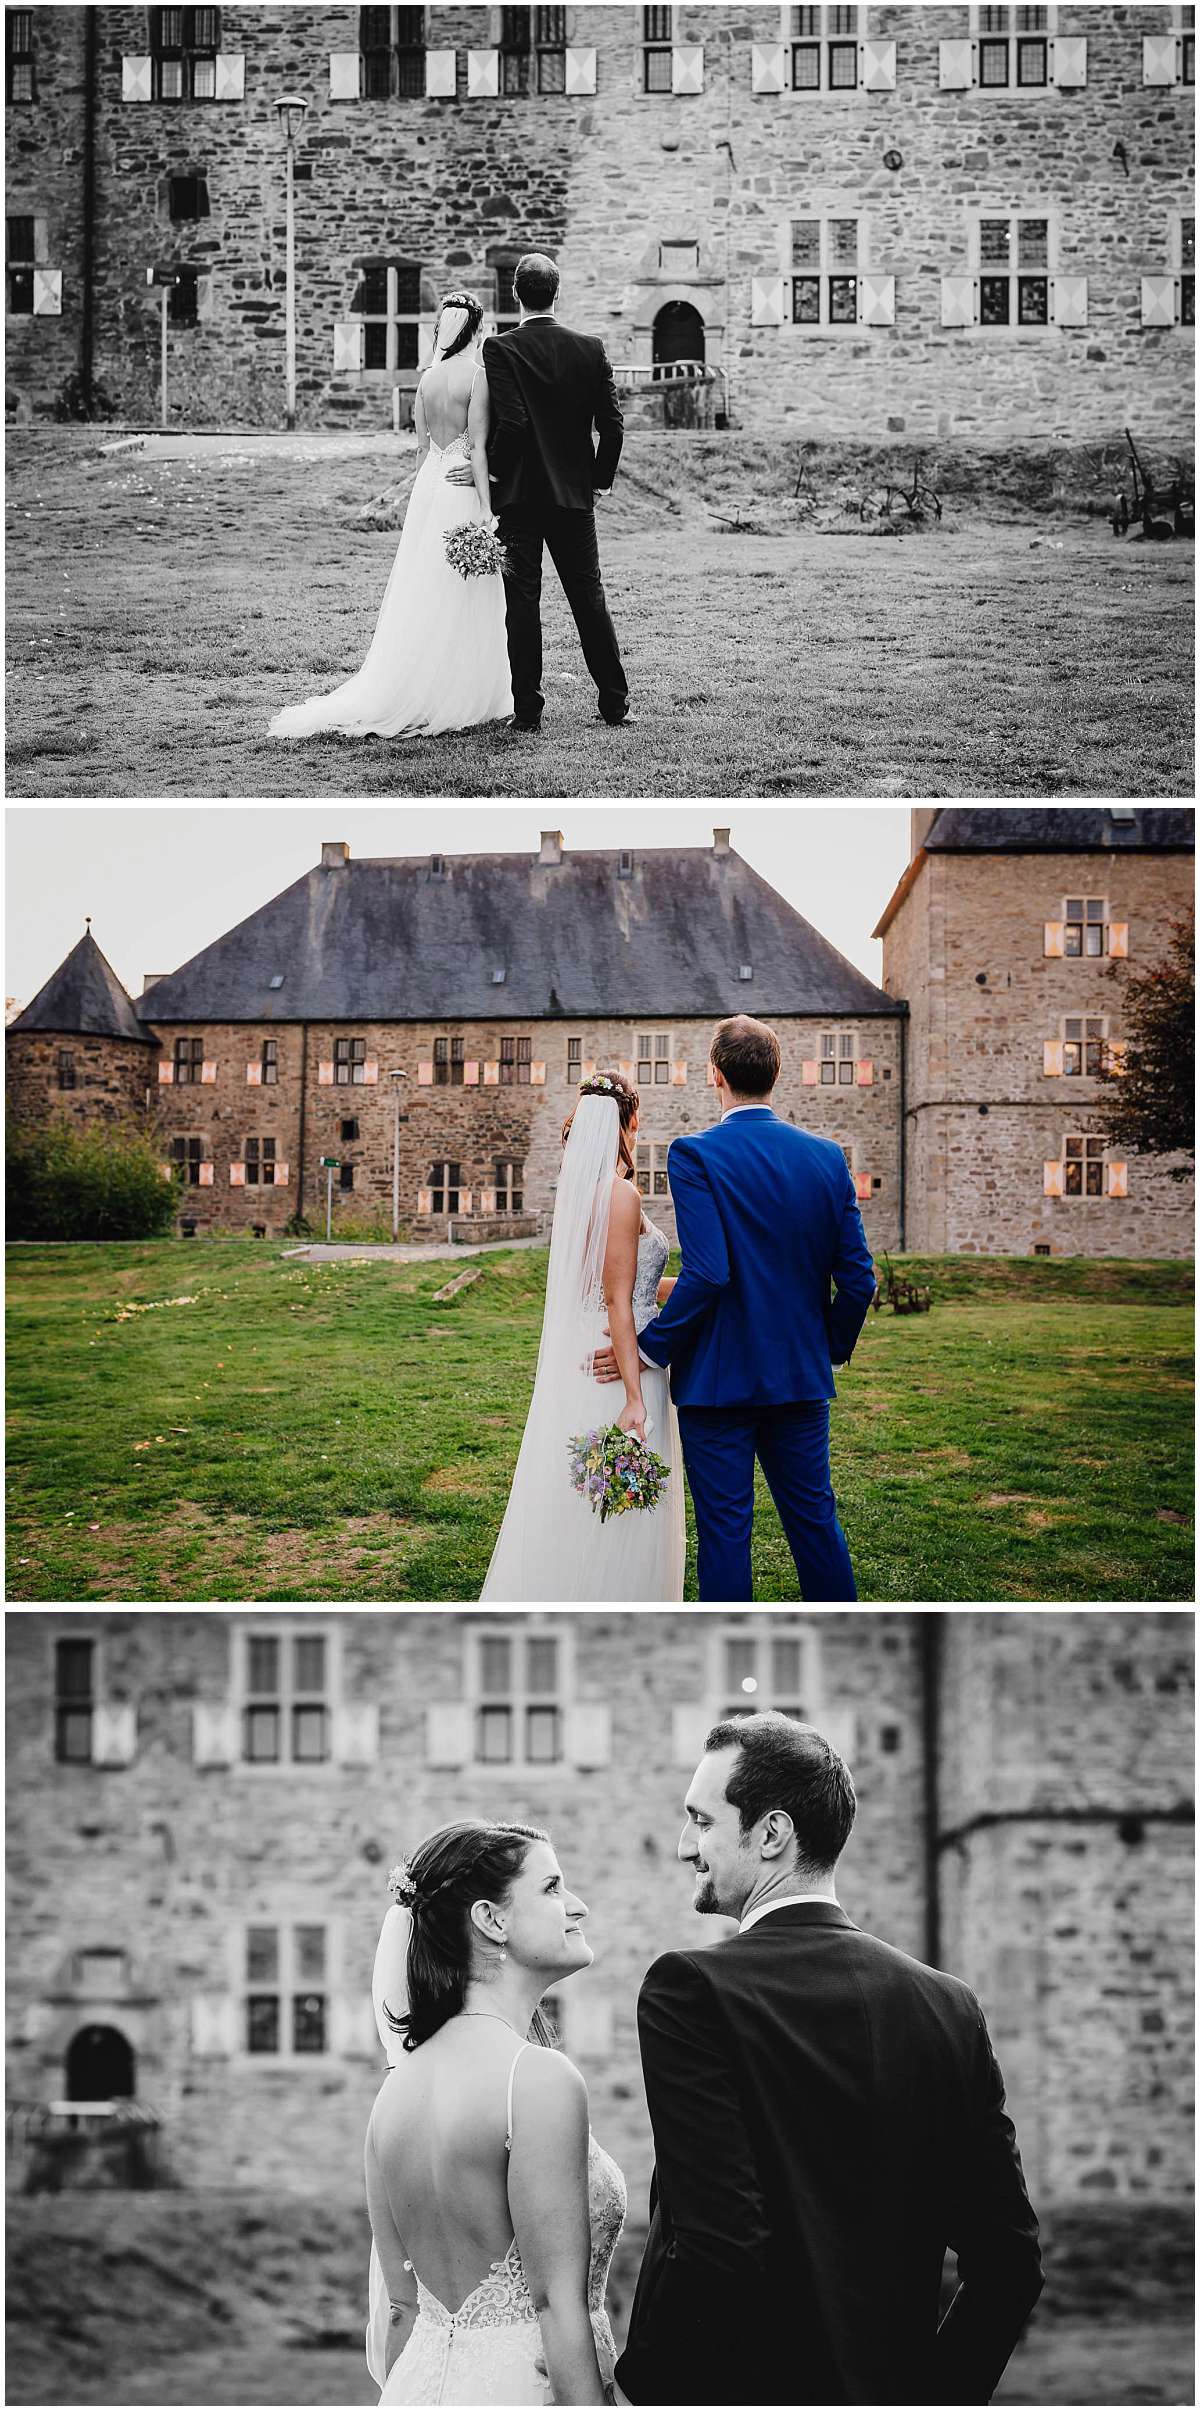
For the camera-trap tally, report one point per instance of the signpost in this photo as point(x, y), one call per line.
point(329, 1165)
point(397, 1079)
point(167, 278)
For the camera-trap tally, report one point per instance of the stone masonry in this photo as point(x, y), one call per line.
point(699, 202)
point(112, 1079)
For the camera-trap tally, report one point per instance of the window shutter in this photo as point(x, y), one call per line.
point(839, 1728)
point(687, 67)
point(586, 1069)
point(864, 1072)
point(208, 1074)
point(371, 1071)
point(862, 1187)
point(810, 1073)
point(464, 1200)
point(166, 1074)
point(254, 1075)
point(440, 76)
point(237, 1176)
point(424, 1201)
point(588, 1734)
point(1118, 1180)
point(344, 74)
point(231, 75)
point(1118, 939)
point(487, 1201)
point(1052, 1058)
point(1158, 301)
point(424, 1075)
point(689, 1724)
point(1070, 300)
point(766, 67)
point(214, 1733)
point(206, 1174)
point(1069, 57)
point(168, 1171)
point(1052, 1180)
point(213, 2025)
point(491, 1075)
point(47, 292)
point(877, 300)
point(281, 1175)
point(537, 1075)
point(352, 2030)
point(114, 1733)
point(448, 1733)
point(1159, 59)
point(580, 68)
point(325, 1075)
point(766, 301)
point(347, 346)
point(136, 81)
point(877, 66)
point(958, 301)
point(483, 74)
point(356, 1733)
point(470, 1075)
point(625, 1065)
point(41, 240)
point(1052, 937)
point(679, 1075)
point(1115, 1050)
point(956, 66)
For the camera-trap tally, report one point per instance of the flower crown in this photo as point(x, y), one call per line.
point(401, 1885)
point(598, 1085)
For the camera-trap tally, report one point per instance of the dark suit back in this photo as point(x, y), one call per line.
point(828, 2118)
point(547, 388)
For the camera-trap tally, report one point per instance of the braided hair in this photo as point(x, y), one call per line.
point(459, 300)
point(627, 1101)
point(446, 1874)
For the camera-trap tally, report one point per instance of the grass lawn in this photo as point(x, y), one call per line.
point(194, 1421)
point(162, 605)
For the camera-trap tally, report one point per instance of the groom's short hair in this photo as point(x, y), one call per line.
point(747, 1054)
point(784, 1764)
point(536, 280)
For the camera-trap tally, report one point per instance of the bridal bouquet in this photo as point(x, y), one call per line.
point(474, 550)
point(616, 1472)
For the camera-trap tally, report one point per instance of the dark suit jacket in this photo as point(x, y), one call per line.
point(828, 2118)
point(767, 1219)
point(547, 388)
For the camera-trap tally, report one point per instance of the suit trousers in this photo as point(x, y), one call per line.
point(791, 1443)
point(571, 539)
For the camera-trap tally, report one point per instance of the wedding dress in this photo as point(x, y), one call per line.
point(439, 656)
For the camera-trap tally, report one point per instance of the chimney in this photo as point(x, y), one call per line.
point(919, 825)
point(721, 843)
point(332, 855)
point(149, 978)
point(551, 846)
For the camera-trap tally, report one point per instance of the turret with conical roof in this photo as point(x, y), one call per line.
point(79, 1048)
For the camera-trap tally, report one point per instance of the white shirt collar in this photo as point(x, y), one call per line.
point(730, 1110)
point(785, 1900)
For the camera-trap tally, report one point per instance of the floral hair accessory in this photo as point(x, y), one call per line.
point(401, 1886)
point(599, 1085)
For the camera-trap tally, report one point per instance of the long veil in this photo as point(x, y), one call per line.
point(388, 1990)
point(540, 1536)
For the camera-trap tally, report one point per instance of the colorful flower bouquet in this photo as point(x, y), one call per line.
point(474, 550)
point(615, 1471)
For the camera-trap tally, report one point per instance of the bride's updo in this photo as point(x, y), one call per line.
point(627, 1101)
point(469, 328)
point(445, 1876)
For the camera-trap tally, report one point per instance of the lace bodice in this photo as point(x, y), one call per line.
point(503, 2299)
point(458, 446)
point(653, 1250)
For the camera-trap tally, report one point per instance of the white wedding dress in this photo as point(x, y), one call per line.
point(439, 657)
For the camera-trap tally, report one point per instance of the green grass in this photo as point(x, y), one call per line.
point(160, 609)
point(327, 1431)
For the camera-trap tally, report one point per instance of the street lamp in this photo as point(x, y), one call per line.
point(291, 113)
point(167, 279)
point(397, 1079)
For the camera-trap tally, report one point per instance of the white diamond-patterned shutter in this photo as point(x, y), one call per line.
point(1070, 300)
point(47, 292)
point(424, 1075)
point(371, 1070)
point(877, 66)
point(487, 1201)
point(448, 1733)
point(491, 1074)
point(587, 1734)
point(590, 2022)
point(281, 1173)
point(440, 75)
point(325, 1074)
point(483, 74)
point(958, 300)
point(356, 1733)
point(231, 75)
point(1118, 1180)
point(537, 1075)
point(206, 1172)
point(1116, 1050)
point(1052, 1180)
point(956, 66)
point(237, 1176)
point(208, 1074)
point(137, 79)
point(877, 300)
point(345, 74)
point(810, 1073)
point(580, 67)
point(214, 2028)
point(1118, 939)
point(254, 1075)
point(624, 1066)
point(1158, 301)
point(347, 346)
point(214, 1733)
point(1052, 1058)
point(862, 1187)
point(352, 2030)
point(687, 67)
point(424, 1201)
point(766, 67)
point(1160, 59)
point(1053, 940)
point(586, 1070)
point(464, 1200)
point(864, 1072)
point(114, 1733)
point(690, 1721)
point(1068, 62)
point(470, 1075)
point(679, 1075)
point(766, 301)
point(166, 1075)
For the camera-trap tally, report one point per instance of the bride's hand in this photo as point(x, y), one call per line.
point(632, 1418)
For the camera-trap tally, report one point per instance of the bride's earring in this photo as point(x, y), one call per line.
point(503, 1954)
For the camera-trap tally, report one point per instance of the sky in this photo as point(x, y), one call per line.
point(160, 881)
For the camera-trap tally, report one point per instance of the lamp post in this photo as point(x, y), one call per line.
point(397, 1079)
point(166, 278)
point(292, 112)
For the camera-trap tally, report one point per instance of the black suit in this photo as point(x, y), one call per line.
point(828, 2118)
point(547, 388)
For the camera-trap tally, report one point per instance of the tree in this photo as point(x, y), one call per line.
point(1147, 1105)
point(105, 1182)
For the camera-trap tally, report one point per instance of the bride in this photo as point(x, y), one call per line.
point(487, 2193)
point(606, 1266)
point(439, 656)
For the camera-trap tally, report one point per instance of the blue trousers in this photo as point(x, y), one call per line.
point(791, 1443)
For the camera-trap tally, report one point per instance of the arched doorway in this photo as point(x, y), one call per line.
point(678, 334)
point(100, 2066)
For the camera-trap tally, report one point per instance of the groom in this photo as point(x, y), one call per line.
point(828, 2119)
point(767, 1220)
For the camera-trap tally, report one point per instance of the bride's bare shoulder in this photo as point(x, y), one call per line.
point(626, 1202)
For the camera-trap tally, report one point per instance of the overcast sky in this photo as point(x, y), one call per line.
point(161, 882)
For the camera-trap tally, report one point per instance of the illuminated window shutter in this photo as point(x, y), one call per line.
point(487, 1201)
point(136, 79)
point(448, 1733)
point(47, 292)
point(483, 74)
point(1068, 62)
point(862, 1187)
point(876, 300)
point(440, 75)
point(237, 1176)
point(956, 66)
point(347, 347)
point(877, 66)
point(281, 1175)
point(1070, 300)
point(1118, 939)
point(424, 1201)
point(254, 1075)
point(206, 1174)
point(587, 1734)
point(766, 301)
point(537, 1075)
point(1160, 64)
point(1052, 1180)
point(166, 1074)
point(470, 1075)
point(687, 67)
point(1158, 301)
point(325, 1075)
point(424, 1075)
point(208, 1075)
point(958, 301)
point(491, 1075)
point(231, 75)
point(1052, 938)
point(679, 1075)
point(1118, 1180)
point(580, 68)
point(1052, 1057)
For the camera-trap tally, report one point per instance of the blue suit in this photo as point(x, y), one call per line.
point(767, 1223)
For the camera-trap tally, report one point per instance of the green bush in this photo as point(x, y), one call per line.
point(102, 1183)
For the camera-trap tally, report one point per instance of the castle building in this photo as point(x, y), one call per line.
point(202, 1808)
point(923, 223)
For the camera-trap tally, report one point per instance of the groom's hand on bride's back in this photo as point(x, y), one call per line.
point(604, 1364)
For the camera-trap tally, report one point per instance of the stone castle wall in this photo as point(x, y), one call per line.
point(605, 181)
point(114, 1077)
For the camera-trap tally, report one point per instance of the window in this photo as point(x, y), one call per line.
point(21, 245)
point(259, 1159)
point(502, 263)
point(1083, 1166)
point(448, 1054)
point(550, 38)
point(392, 42)
point(519, 1687)
point(18, 44)
point(188, 197)
point(759, 1670)
point(839, 1049)
point(445, 1181)
point(74, 1701)
point(575, 1060)
point(286, 1996)
point(1187, 270)
point(285, 1708)
point(651, 1165)
point(825, 271)
point(656, 51)
point(388, 301)
point(349, 1062)
point(183, 300)
point(509, 1186)
point(66, 1068)
point(1187, 60)
point(1014, 271)
point(516, 1062)
point(1014, 48)
point(189, 1060)
point(653, 1058)
point(345, 1176)
point(269, 1062)
point(347, 1130)
point(824, 49)
point(188, 1153)
point(1085, 925)
point(1083, 1047)
point(183, 48)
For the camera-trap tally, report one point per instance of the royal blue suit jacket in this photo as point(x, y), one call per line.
point(777, 1276)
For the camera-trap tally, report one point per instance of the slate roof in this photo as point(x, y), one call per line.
point(963, 829)
point(387, 940)
point(85, 999)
